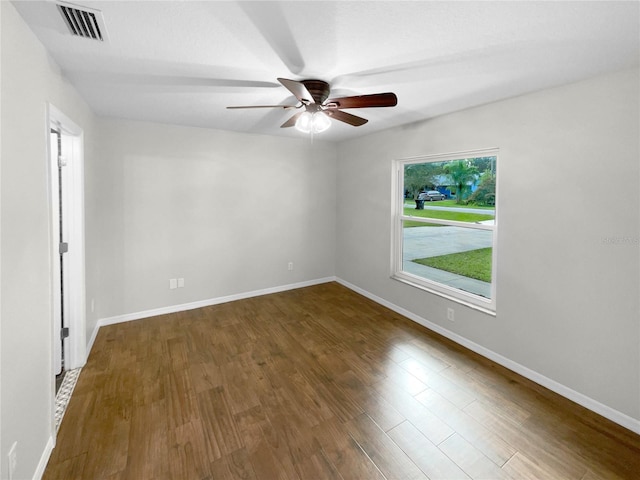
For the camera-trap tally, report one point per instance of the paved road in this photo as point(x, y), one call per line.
point(422, 242)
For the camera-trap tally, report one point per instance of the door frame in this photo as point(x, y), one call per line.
point(75, 348)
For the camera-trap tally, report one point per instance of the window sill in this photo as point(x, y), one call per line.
point(433, 290)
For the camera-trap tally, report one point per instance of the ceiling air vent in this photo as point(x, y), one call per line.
point(82, 21)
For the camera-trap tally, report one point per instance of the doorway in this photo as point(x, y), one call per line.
point(66, 175)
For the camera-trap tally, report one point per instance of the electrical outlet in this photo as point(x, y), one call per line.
point(173, 283)
point(180, 282)
point(451, 314)
point(93, 305)
point(13, 459)
point(290, 266)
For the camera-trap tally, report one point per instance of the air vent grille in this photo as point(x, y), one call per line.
point(83, 22)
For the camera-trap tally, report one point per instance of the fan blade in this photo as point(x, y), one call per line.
point(346, 117)
point(292, 121)
point(263, 106)
point(364, 101)
point(152, 80)
point(298, 89)
point(271, 21)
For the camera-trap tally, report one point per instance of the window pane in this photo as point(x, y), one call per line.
point(458, 257)
point(462, 190)
point(446, 223)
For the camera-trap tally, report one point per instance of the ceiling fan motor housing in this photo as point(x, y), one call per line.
point(318, 89)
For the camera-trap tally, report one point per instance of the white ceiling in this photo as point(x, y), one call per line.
point(183, 62)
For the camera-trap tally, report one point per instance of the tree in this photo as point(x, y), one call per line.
point(485, 164)
point(485, 194)
point(463, 173)
point(419, 176)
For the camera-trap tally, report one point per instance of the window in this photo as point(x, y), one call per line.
point(445, 225)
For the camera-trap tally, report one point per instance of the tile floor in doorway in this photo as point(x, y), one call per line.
point(64, 394)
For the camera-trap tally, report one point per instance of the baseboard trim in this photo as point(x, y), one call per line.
point(44, 459)
point(92, 340)
point(577, 397)
point(201, 303)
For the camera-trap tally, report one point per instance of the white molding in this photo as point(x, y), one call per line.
point(444, 291)
point(203, 303)
point(444, 157)
point(91, 341)
point(77, 293)
point(44, 459)
point(615, 416)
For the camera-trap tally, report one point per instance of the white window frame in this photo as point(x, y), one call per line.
point(477, 302)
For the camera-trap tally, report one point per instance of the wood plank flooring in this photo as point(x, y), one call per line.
point(318, 383)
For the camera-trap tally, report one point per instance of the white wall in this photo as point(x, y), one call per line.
point(30, 79)
point(225, 211)
point(567, 285)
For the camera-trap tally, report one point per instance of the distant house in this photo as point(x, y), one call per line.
point(445, 185)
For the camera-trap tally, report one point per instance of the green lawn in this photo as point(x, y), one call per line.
point(409, 224)
point(472, 264)
point(444, 215)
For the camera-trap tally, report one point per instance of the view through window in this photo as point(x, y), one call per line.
point(446, 225)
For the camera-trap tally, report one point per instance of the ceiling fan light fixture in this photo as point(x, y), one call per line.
point(303, 124)
point(316, 122)
point(320, 122)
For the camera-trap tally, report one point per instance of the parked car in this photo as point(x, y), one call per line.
point(431, 196)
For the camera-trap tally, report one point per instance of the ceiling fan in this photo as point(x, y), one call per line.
point(313, 95)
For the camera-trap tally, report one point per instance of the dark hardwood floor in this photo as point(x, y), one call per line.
point(318, 383)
